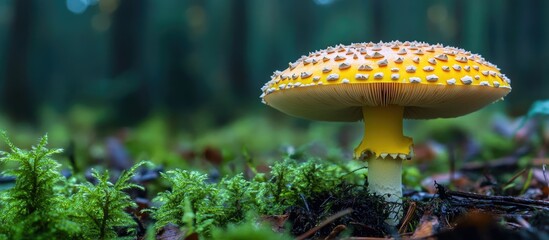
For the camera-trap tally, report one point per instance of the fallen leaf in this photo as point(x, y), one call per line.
point(427, 227)
point(276, 221)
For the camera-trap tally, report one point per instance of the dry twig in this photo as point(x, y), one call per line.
point(324, 223)
point(408, 217)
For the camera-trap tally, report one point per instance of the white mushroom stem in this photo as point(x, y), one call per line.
point(385, 179)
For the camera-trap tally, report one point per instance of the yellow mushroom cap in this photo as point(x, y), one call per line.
point(429, 81)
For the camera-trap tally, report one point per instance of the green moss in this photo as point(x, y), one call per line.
point(45, 205)
point(100, 208)
point(198, 206)
point(35, 202)
point(189, 197)
point(291, 181)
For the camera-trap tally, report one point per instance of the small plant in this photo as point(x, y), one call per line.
point(45, 205)
point(237, 198)
point(190, 203)
point(101, 207)
point(291, 182)
point(36, 202)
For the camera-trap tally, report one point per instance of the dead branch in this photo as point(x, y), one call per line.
point(501, 204)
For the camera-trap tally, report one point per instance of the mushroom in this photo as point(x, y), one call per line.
point(385, 83)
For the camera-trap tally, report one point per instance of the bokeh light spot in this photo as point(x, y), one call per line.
point(77, 6)
point(324, 2)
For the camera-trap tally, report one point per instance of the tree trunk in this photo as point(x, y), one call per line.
point(16, 98)
point(237, 53)
point(127, 35)
point(181, 83)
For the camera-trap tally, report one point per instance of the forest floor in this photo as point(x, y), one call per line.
point(484, 181)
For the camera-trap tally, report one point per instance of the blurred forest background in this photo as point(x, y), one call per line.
point(71, 67)
point(137, 57)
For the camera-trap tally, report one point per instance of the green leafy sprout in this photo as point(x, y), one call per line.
point(105, 206)
point(35, 201)
point(40, 206)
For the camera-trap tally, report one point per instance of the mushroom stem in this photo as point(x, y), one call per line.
point(385, 147)
point(383, 132)
point(385, 179)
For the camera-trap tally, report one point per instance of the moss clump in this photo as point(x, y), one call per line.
point(45, 205)
point(101, 207)
point(36, 202)
point(191, 203)
point(291, 181)
point(198, 206)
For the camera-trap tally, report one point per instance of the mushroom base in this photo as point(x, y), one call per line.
point(383, 134)
point(385, 179)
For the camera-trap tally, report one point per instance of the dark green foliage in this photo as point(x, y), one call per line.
point(35, 203)
point(198, 206)
point(292, 181)
point(192, 202)
point(238, 199)
point(44, 205)
point(102, 206)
